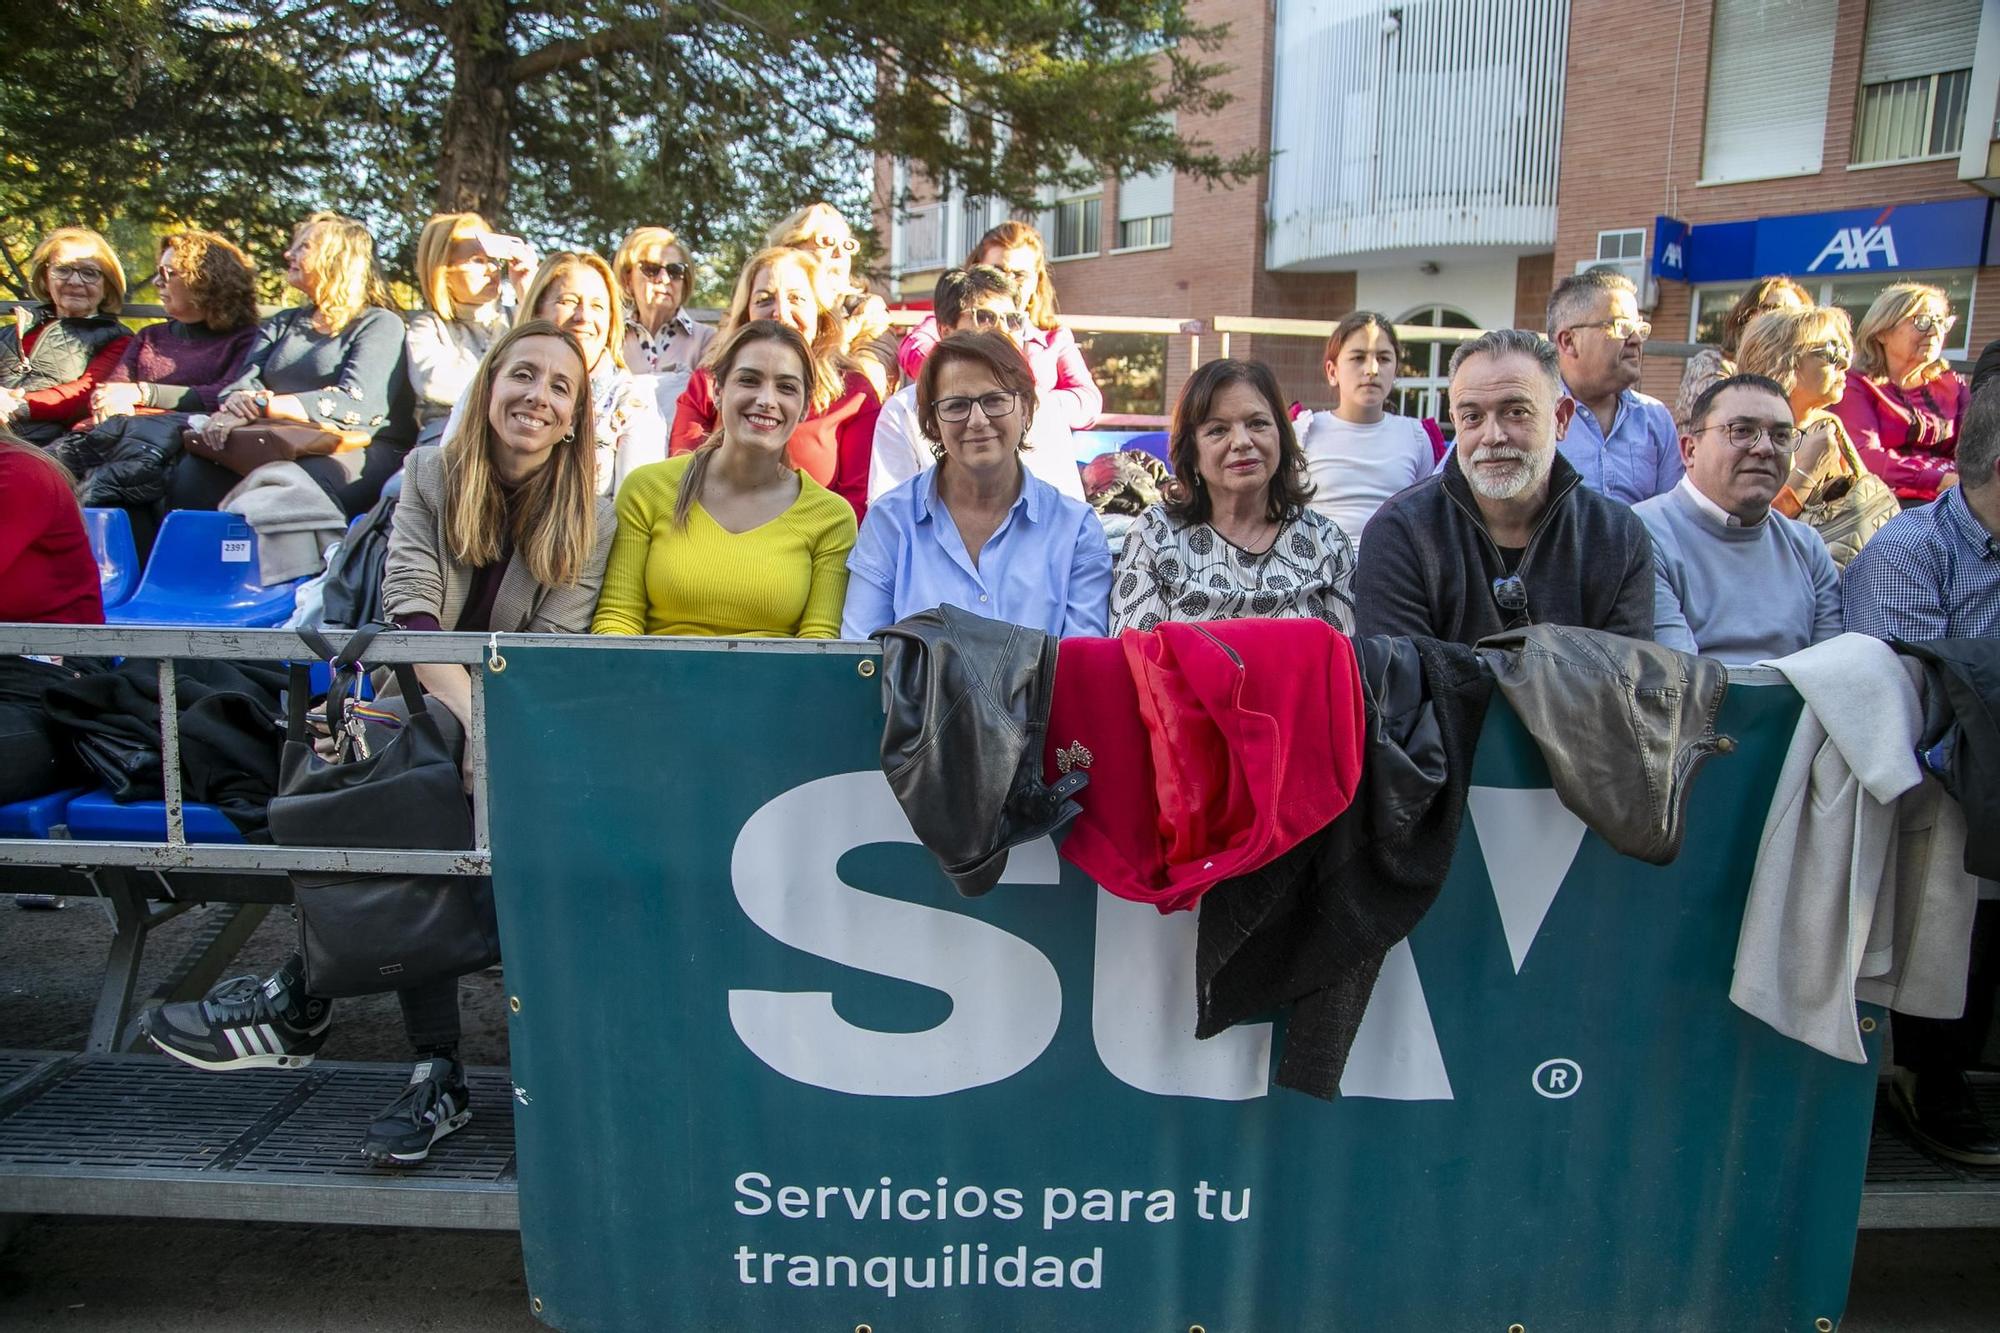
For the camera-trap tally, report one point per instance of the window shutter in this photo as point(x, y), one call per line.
point(1146, 196)
point(1759, 125)
point(1908, 39)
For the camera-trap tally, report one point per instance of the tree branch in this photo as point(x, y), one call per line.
point(574, 51)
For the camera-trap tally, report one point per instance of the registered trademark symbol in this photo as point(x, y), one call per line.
point(1557, 1079)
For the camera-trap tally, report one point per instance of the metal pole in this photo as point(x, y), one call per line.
point(475, 756)
point(170, 753)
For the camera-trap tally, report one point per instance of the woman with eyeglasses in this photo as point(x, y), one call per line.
point(1808, 350)
point(1712, 364)
point(336, 360)
point(1062, 376)
point(1237, 537)
point(661, 340)
point(65, 341)
point(834, 439)
point(979, 531)
point(1903, 403)
point(971, 300)
point(463, 269)
point(734, 540)
point(822, 232)
point(576, 291)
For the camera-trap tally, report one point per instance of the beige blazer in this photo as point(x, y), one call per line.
point(420, 577)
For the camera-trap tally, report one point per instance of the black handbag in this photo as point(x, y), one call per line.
point(366, 933)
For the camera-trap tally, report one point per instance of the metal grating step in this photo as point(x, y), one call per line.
point(143, 1135)
point(1909, 1187)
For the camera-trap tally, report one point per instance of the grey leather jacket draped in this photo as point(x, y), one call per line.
point(1623, 724)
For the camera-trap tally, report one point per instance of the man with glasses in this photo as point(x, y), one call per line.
point(1623, 442)
point(1934, 573)
point(1733, 579)
point(1504, 534)
point(969, 300)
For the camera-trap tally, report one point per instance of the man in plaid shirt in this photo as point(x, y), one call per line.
point(1934, 573)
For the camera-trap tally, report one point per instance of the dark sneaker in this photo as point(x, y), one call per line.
point(1943, 1116)
point(432, 1106)
point(244, 1023)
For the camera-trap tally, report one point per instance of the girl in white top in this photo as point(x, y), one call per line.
point(1360, 454)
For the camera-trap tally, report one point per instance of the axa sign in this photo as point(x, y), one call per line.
point(1006, 997)
point(1850, 248)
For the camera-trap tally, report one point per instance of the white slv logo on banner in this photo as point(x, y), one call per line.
point(1005, 993)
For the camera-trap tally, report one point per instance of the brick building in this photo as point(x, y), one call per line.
point(1443, 160)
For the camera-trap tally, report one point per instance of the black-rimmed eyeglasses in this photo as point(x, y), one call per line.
point(999, 403)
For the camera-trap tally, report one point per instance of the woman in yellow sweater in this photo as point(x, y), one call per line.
point(731, 541)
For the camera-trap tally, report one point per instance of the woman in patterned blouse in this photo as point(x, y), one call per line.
point(1235, 539)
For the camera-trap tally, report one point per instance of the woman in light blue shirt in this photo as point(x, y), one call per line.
point(979, 531)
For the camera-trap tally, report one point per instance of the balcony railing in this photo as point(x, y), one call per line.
point(1426, 124)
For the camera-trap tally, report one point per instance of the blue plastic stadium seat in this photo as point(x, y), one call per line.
point(116, 554)
point(204, 572)
point(34, 818)
point(95, 817)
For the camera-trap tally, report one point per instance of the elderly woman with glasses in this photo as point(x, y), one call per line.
point(1807, 352)
point(66, 341)
point(1903, 403)
point(979, 531)
point(661, 339)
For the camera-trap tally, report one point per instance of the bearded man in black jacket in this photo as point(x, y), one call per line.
point(1505, 535)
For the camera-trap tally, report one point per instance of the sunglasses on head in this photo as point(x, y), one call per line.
point(845, 245)
point(674, 271)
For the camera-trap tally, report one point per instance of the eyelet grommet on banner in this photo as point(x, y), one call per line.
point(1867, 1025)
point(494, 661)
point(1823, 1324)
point(514, 1004)
point(865, 667)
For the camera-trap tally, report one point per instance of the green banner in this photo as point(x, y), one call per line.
point(771, 1071)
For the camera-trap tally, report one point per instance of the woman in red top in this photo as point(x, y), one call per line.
point(835, 442)
point(47, 575)
point(1903, 404)
point(66, 342)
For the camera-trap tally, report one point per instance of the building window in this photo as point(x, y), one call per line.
point(979, 217)
point(1760, 125)
point(1072, 226)
point(923, 239)
point(1146, 210)
point(1613, 246)
point(1915, 78)
point(1146, 233)
point(1854, 295)
point(1920, 117)
point(1130, 369)
point(1423, 377)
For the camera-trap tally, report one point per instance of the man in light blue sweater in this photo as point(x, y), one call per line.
point(1732, 579)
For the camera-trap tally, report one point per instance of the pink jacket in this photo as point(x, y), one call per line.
point(1907, 437)
point(1060, 372)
